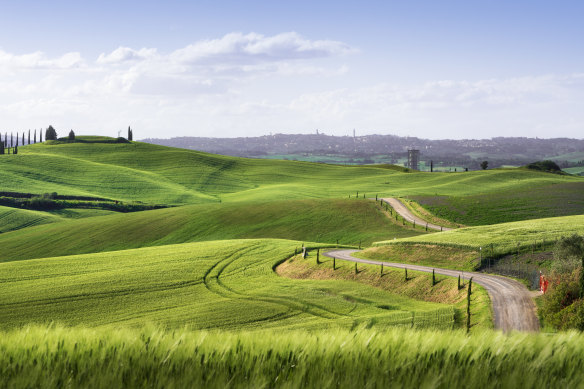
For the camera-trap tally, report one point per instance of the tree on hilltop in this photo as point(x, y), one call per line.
point(71, 136)
point(484, 165)
point(50, 133)
point(130, 134)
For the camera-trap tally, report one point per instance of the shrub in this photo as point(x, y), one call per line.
point(545, 166)
point(568, 253)
point(561, 307)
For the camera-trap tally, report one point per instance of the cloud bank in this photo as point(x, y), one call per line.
point(252, 84)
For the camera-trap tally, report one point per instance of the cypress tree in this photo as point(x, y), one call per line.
point(28, 136)
point(15, 150)
point(71, 136)
point(459, 282)
point(433, 278)
point(11, 140)
point(1, 148)
point(50, 133)
point(40, 136)
point(23, 138)
point(130, 135)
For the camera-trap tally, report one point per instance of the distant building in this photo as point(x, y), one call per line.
point(413, 159)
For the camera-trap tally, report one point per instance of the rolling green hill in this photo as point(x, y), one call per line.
point(213, 285)
point(164, 175)
point(348, 221)
point(15, 219)
point(506, 236)
point(535, 202)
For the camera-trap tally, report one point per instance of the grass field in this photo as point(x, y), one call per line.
point(506, 236)
point(508, 205)
point(14, 219)
point(348, 221)
point(574, 170)
point(78, 357)
point(425, 255)
point(209, 285)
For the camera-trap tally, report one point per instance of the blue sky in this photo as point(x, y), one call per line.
point(433, 69)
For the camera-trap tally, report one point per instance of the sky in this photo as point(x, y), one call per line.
point(430, 69)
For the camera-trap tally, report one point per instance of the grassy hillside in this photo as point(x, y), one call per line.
point(146, 357)
point(15, 219)
point(506, 236)
point(164, 175)
point(538, 201)
point(348, 221)
point(214, 285)
point(418, 285)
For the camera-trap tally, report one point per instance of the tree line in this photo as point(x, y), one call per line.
point(9, 145)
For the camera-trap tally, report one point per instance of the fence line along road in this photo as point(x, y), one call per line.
point(513, 307)
point(404, 212)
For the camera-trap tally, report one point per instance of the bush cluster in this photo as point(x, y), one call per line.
point(563, 304)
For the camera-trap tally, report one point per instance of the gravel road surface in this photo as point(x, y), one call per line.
point(404, 212)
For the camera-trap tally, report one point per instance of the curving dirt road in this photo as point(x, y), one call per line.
point(404, 212)
point(513, 307)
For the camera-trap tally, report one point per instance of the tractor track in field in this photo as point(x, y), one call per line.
point(213, 282)
point(513, 306)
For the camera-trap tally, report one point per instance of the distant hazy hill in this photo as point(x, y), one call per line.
point(499, 151)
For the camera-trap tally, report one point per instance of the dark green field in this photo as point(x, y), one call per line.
point(559, 199)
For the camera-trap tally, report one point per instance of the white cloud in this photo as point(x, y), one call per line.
point(126, 54)
point(252, 48)
point(39, 60)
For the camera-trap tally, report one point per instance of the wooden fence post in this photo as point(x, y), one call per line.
point(469, 292)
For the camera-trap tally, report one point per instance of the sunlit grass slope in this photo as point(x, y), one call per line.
point(348, 221)
point(157, 174)
point(212, 285)
point(505, 236)
point(14, 218)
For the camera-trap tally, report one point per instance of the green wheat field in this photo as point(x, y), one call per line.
point(211, 289)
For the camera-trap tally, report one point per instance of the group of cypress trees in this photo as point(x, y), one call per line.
point(10, 145)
